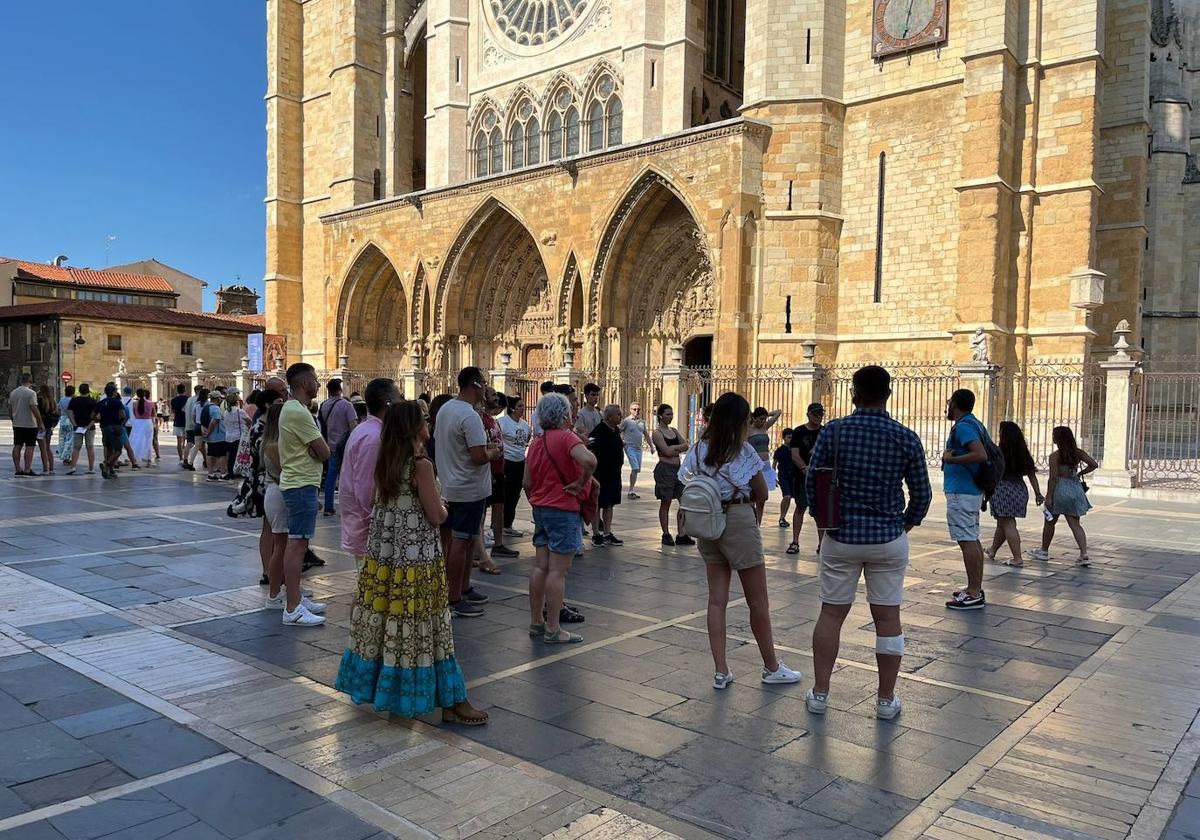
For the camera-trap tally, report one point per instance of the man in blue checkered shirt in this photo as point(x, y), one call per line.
point(872, 456)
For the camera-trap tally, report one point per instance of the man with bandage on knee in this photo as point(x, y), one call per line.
point(871, 457)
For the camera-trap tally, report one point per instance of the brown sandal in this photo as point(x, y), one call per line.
point(458, 713)
point(489, 568)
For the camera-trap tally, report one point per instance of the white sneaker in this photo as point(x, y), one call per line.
point(279, 602)
point(816, 703)
point(488, 539)
point(888, 709)
point(722, 681)
point(783, 675)
point(302, 617)
point(1038, 554)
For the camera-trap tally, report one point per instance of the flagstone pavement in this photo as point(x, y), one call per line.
point(146, 693)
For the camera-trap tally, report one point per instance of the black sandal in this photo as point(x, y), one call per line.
point(794, 548)
point(568, 615)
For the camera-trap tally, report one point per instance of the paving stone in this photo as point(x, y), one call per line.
point(534, 701)
point(14, 714)
point(218, 796)
point(320, 823)
point(105, 720)
point(156, 829)
point(33, 752)
point(152, 747)
point(524, 737)
point(32, 831)
point(750, 730)
point(602, 765)
point(740, 813)
point(88, 699)
point(41, 682)
point(647, 736)
point(662, 788)
point(114, 815)
point(60, 787)
point(54, 632)
point(11, 804)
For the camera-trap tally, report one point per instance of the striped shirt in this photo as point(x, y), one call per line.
point(875, 455)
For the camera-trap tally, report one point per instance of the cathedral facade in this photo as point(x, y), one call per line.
point(605, 181)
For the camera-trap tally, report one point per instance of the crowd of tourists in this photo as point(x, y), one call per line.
point(416, 479)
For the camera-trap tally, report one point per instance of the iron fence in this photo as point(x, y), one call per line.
point(640, 384)
point(1165, 432)
point(1050, 393)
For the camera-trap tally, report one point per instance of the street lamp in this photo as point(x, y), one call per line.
point(78, 333)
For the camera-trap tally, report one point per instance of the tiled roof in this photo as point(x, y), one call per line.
point(128, 312)
point(96, 278)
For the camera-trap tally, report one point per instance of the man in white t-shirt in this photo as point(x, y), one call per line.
point(634, 435)
point(463, 457)
point(27, 422)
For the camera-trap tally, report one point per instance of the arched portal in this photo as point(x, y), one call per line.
point(653, 283)
point(494, 294)
point(372, 313)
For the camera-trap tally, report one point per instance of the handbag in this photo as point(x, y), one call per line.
point(589, 501)
point(827, 506)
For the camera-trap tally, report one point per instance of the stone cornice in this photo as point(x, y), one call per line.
point(987, 182)
point(357, 64)
point(687, 137)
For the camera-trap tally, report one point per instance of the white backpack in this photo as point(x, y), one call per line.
point(703, 511)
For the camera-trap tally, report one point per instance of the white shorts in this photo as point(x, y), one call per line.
point(962, 515)
point(882, 564)
point(274, 509)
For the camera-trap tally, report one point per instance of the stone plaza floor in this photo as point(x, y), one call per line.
point(146, 693)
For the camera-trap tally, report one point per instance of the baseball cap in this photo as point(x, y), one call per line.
point(815, 408)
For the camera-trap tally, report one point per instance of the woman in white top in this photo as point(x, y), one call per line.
point(723, 453)
point(517, 432)
point(237, 424)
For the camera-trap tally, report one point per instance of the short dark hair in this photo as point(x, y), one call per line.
point(84, 388)
point(468, 376)
point(424, 397)
point(334, 385)
point(69, 391)
point(872, 383)
point(297, 370)
point(26, 377)
point(110, 389)
point(547, 387)
point(264, 398)
point(787, 431)
point(963, 399)
point(196, 389)
point(591, 388)
point(379, 394)
point(180, 388)
point(565, 390)
point(202, 394)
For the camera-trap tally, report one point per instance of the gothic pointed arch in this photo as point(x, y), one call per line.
point(493, 288)
point(371, 320)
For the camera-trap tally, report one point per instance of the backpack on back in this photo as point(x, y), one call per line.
point(701, 505)
point(991, 471)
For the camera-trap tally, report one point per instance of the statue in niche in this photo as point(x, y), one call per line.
point(121, 366)
point(979, 346)
point(437, 352)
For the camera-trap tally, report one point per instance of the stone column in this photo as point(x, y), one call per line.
point(567, 375)
point(804, 392)
point(119, 379)
point(980, 377)
point(156, 380)
point(197, 375)
point(502, 374)
point(1118, 379)
point(675, 388)
point(413, 381)
point(244, 378)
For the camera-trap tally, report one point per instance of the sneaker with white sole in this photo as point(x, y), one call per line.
point(279, 602)
point(816, 703)
point(783, 675)
point(1037, 554)
point(964, 600)
point(722, 681)
point(887, 709)
point(302, 617)
point(513, 532)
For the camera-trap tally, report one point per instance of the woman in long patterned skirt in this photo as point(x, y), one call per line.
point(401, 652)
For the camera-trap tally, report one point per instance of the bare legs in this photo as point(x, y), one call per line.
point(291, 561)
point(827, 637)
point(972, 553)
point(754, 585)
point(784, 505)
point(44, 451)
point(547, 583)
point(458, 557)
point(265, 547)
point(1006, 531)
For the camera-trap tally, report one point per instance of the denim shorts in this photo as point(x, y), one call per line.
point(633, 457)
point(465, 519)
point(301, 512)
point(559, 530)
point(962, 515)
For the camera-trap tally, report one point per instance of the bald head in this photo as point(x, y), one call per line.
point(277, 384)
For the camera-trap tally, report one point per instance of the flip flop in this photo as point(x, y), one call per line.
point(490, 569)
point(793, 549)
point(1011, 564)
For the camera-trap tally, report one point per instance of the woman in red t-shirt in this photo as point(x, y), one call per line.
point(558, 468)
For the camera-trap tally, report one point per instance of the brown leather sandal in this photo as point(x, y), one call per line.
point(465, 714)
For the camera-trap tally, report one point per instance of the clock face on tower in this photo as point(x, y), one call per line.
point(903, 25)
point(535, 22)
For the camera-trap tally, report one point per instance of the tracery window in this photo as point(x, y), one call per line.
point(562, 126)
point(604, 116)
point(487, 149)
point(524, 137)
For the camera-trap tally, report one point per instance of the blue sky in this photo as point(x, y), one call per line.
point(142, 119)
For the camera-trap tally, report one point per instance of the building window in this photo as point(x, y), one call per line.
point(554, 131)
point(562, 125)
point(5, 336)
point(878, 294)
point(185, 348)
point(488, 147)
point(604, 115)
point(496, 151)
point(114, 341)
point(533, 142)
point(722, 47)
point(377, 185)
point(572, 120)
point(516, 143)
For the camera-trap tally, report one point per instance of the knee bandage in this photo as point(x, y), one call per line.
point(890, 645)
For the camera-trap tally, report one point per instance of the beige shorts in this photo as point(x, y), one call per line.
point(274, 509)
point(882, 564)
point(740, 547)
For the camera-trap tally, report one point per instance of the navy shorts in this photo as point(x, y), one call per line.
point(786, 483)
point(465, 519)
point(558, 530)
point(301, 503)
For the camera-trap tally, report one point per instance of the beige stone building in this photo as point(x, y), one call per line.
point(454, 180)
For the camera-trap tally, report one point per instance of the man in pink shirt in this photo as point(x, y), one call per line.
point(358, 466)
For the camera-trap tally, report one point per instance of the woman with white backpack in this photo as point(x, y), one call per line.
point(723, 482)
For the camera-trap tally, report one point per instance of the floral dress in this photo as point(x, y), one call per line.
point(401, 651)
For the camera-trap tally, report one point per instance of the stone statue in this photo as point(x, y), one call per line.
point(121, 366)
point(979, 346)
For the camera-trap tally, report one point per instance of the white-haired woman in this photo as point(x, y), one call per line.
point(558, 473)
